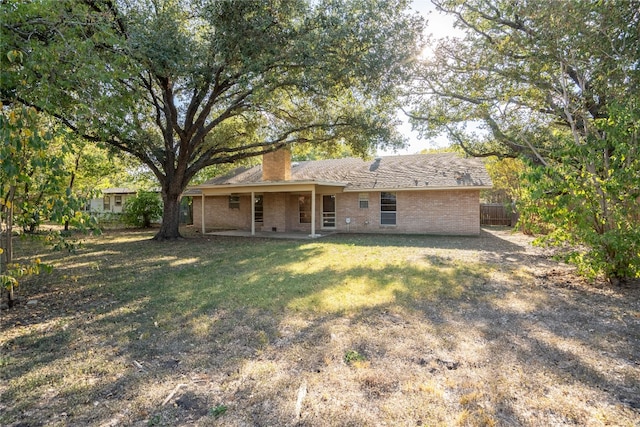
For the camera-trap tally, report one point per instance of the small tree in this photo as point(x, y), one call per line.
point(600, 212)
point(139, 211)
point(23, 156)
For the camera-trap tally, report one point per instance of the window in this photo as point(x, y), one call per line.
point(106, 203)
point(234, 202)
point(363, 200)
point(304, 205)
point(118, 200)
point(388, 208)
point(259, 209)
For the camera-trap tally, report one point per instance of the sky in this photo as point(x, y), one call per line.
point(438, 25)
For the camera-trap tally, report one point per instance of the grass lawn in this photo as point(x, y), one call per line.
point(347, 330)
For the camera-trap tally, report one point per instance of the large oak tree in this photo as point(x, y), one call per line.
point(186, 84)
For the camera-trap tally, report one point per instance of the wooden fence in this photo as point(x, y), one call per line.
point(494, 214)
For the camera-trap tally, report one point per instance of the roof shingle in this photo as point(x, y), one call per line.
point(417, 171)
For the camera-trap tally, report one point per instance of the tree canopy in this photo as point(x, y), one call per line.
point(186, 84)
point(557, 83)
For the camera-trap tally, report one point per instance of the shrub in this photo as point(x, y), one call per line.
point(142, 209)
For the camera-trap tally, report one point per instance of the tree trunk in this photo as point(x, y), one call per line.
point(71, 181)
point(9, 244)
point(170, 227)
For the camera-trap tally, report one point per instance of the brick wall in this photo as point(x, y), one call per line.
point(218, 215)
point(274, 212)
point(453, 212)
point(442, 212)
point(276, 166)
point(197, 212)
point(363, 220)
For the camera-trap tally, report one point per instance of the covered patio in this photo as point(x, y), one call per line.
point(273, 222)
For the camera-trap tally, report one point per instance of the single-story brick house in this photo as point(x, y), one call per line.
point(422, 193)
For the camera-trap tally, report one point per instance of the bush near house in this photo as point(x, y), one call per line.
point(142, 209)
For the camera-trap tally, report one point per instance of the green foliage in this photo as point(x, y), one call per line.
point(453, 148)
point(63, 241)
point(506, 175)
point(26, 167)
point(14, 271)
point(222, 169)
point(93, 168)
point(304, 152)
point(557, 84)
point(34, 187)
point(352, 356)
point(8, 282)
point(34, 174)
point(595, 215)
point(185, 85)
point(141, 210)
point(17, 271)
point(154, 420)
point(218, 410)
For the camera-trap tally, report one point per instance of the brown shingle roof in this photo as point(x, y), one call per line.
point(419, 171)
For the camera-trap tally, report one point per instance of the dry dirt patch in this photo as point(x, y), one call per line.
point(457, 331)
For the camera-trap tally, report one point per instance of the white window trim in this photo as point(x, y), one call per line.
point(363, 197)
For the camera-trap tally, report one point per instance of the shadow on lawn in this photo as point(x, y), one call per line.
point(153, 315)
point(563, 341)
point(492, 245)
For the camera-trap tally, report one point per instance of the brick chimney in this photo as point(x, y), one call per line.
point(276, 165)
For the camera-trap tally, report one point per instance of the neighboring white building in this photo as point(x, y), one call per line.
point(112, 200)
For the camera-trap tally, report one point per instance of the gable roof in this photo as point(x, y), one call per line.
point(407, 172)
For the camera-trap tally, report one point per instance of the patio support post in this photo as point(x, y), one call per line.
point(202, 213)
point(253, 213)
point(313, 211)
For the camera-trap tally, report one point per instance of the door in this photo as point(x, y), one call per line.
point(328, 211)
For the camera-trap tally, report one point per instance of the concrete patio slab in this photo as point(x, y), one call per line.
point(268, 234)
